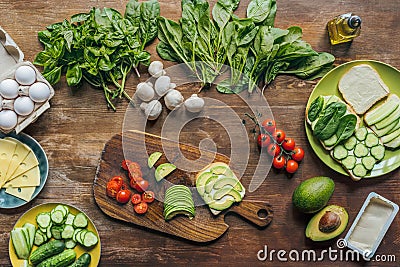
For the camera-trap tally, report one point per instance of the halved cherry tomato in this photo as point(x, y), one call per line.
point(279, 162)
point(135, 176)
point(288, 144)
point(133, 182)
point(273, 149)
point(263, 140)
point(136, 199)
point(135, 172)
point(279, 136)
point(141, 208)
point(118, 179)
point(298, 154)
point(291, 166)
point(125, 163)
point(148, 196)
point(123, 196)
point(133, 165)
point(269, 125)
point(141, 186)
point(112, 188)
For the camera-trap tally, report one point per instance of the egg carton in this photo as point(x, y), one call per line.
point(24, 92)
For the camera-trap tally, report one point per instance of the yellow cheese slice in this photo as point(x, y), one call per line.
point(27, 179)
point(20, 153)
point(7, 149)
point(28, 163)
point(24, 193)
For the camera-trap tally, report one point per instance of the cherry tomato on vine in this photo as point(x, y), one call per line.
point(288, 144)
point(269, 125)
point(279, 136)
point(112, 188)
point(263, 140)
point(123, 196)
point(298, 154)
point(118, 179)
point(273, 149)
point(136, 199)
point(279, 162)
point(291, 166)
point(148, 196)
point(125, 163)
point(141, 208)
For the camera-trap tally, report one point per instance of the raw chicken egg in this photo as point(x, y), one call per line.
point(9, 88)
point(23, 106)
point(25, 75)
point(8, 119)
point(39, 92)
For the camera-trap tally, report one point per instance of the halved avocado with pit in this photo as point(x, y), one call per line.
point(328, 223)
point(228, 181)
point(228, 190)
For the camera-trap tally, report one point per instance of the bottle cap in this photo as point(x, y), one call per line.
point(354, 22)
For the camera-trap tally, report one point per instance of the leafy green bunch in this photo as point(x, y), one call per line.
point(253, 48)
point(101, 46)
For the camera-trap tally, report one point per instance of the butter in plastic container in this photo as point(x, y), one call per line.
point(24, 92)
point(371, 225)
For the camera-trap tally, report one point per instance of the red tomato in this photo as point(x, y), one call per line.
point(136, 199)
point(148, 196)
point(274, 150)
point(288, 144)
point(279, 162)
point(125, 163)
point(134, 165)
point(118, 179)
point(112, 188)
point(135, 176)
point(141, 208)
point(123, 196)
point(298, 154)
point(135, 172)
point(269, 125)
point(141, 186)
point(291, 166)
point(263, 140)
point(133, 182)
point(279, 136)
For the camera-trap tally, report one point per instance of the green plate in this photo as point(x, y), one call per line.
point(328, 85)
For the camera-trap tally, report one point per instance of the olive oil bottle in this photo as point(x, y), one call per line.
point(344, 28)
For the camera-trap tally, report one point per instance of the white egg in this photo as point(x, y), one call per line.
point(39, 92)
point(25, 75)
point(8, 119)
point(9, 88)
point(23, 106)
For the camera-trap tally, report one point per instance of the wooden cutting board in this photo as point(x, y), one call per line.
point(136, 146)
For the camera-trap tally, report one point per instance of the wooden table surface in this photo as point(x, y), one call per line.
point(74, 131)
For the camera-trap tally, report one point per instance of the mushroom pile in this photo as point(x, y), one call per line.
point(146, 92)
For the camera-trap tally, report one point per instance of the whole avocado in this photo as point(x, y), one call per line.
point(313, 194)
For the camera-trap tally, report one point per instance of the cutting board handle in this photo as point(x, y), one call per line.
point(258, 212)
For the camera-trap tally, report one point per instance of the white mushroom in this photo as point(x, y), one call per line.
point(144, 91)
point(152, 109)
point(173, 99)
point(194, 104)
point(156, 69)
point(162, 85)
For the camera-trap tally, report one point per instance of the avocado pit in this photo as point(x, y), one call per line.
point(329, 222)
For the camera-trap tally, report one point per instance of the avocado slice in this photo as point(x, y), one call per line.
point(210, 183)
point(327, 223)
point(222, 169)
point(228, 190)
point(222, 204)
point(163, 170)
point(201, 181)
point(228, 181)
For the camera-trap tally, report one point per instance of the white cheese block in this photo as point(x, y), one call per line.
point(29, 162)
point(27, 179)
point(20, 153)
point(24, 193)
point(7, 149)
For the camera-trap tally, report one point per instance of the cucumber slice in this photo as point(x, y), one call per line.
point(349, 162)
point(340, 152)
point(68, 232)
point(48, 231)
point(76, 232)
point(371, 140)
point(395, 127)
point(395, 115)
point(70, 243)
point(378, 152)
point(57, 216)
point(387, 138)
point(40, 238)
point(350, 143)
point(361, 133)
point(62, 208)
point(31, 231)
point(381, 112)
point(360, 150)
point(20, 243)
point(386, 130)
point(368, 162)
point(56, 231)
point(395, 143)
point(43, 220)
point(153, 158)
point(359, 170)
point(70, 219)
point(330, 141)
point(80, 220)
point(90, 239)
